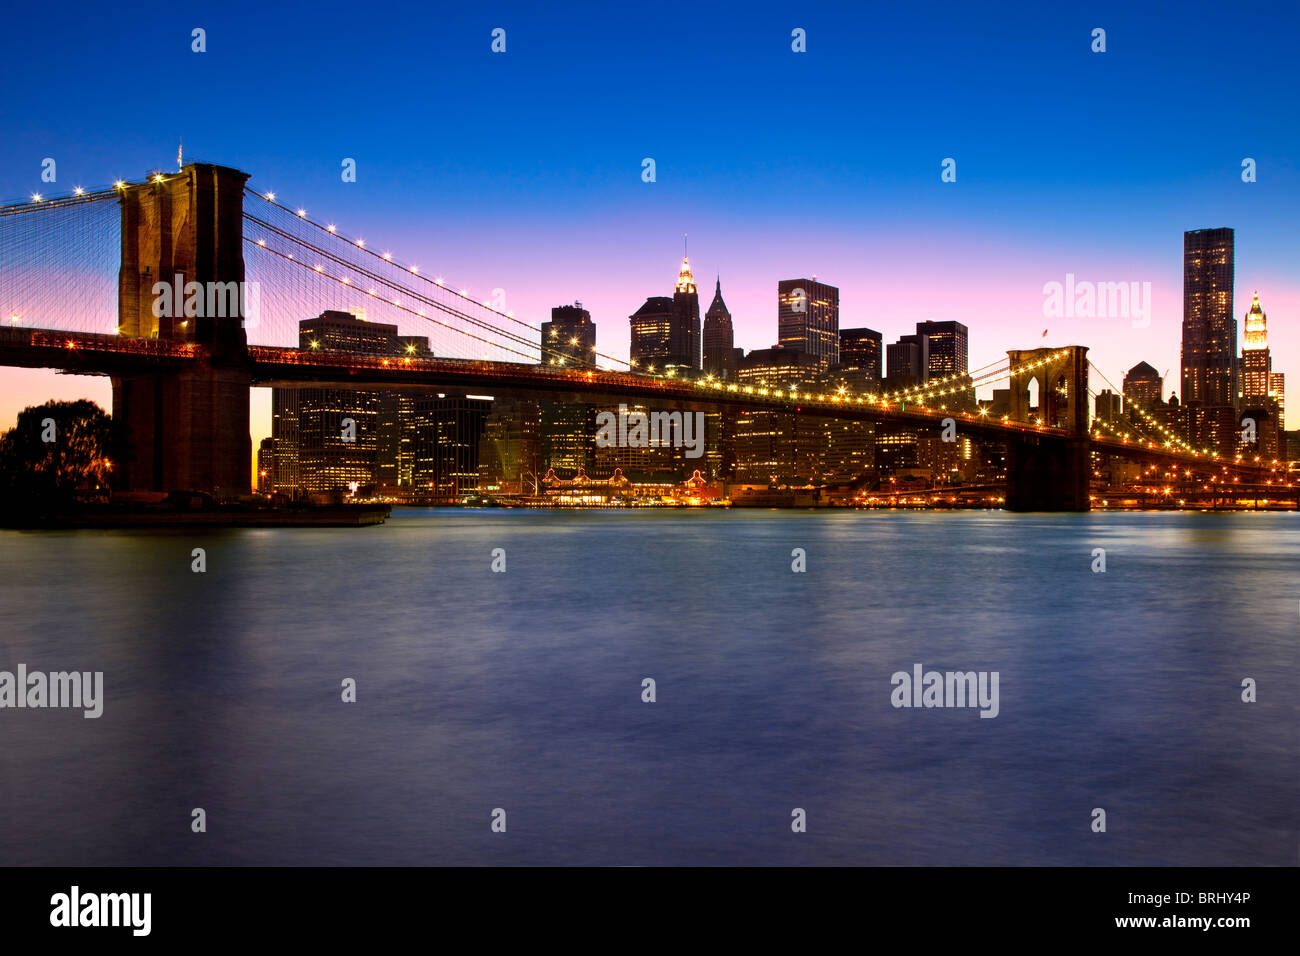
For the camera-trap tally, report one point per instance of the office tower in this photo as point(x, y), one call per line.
point(1277, 392)
point(779, 367)
point(338, 428)
point(510, 451)
point(663, 459)
point(413, 345)
point(652, 334)
point(908, 362)
point(1209, 356)
point(327, 439)
point(284, 435)
point(947, 345)
point(719, 338)
point(1261, 399)
point(1143, 387)
point(850, 449)
point(895, 447)
point(395, 444)
point(1108, 406)
point(666, 331)
point(446, 430)
point(338, 331)
point(686, 316)
point(337, 439)
point(568, 437)
point(808, 319)
point(266, 465)
point(570, 337)
point(778, 446)
point(947, 461)
point(861, 352)
point(1256, 361)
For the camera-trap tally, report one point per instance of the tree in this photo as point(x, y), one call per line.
point(53, 451)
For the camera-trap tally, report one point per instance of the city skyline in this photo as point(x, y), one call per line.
point(67, 387)
point(1068, 178)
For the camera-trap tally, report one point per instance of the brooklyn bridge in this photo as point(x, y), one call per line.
point(78, 290)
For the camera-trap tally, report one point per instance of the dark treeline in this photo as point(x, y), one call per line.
point(55, 453)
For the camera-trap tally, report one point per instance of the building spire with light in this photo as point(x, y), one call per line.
point(1256, 326)
point(685, 281)
point(1257, 375)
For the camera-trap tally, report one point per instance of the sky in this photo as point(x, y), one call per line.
point(523, 170)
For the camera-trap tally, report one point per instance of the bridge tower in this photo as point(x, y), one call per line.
point(185, 430)
point(1050, 472)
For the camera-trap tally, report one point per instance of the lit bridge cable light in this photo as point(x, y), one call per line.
point(415, 271)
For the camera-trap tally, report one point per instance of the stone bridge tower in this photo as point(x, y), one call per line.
point(185, 430)
point(1050, 472)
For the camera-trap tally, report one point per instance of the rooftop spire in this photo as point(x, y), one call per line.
point(1256, 327)
point(685, 281)
point(718, 307)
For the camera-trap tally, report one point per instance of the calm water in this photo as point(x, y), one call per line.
point(523, 691)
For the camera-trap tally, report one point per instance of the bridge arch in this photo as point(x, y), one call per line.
point(1060, 377)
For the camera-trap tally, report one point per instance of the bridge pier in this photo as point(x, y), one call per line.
point(186, 430)
point(1048, 474)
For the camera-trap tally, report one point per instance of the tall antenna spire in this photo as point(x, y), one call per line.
point(180, 147)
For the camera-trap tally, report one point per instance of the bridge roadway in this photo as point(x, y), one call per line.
point(108, 354)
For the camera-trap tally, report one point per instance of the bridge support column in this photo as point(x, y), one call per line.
point(1048, 474)
point(186, 430)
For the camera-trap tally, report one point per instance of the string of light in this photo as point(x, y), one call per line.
point(318, 270)
point(390, 284)
point(413, 270)
point(1159, 426)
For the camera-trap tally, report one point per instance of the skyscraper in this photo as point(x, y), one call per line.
point(1256, 362)
point(509, 453)
point(1143, 387)
point(719, 338)
point(686, 315)
point(808, 319)
point(908, 361)
point(447, 430)
point(1209, 359)
point(861, 352)
point(1107, 406)
point(948, 348)
point(775, 444)
point(666, 331)
point(567, 436)
point(1277, 392)
point(316, 452)
point(652, 333)
point(569, 336)
point(1261, 397)
point(266, 466)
